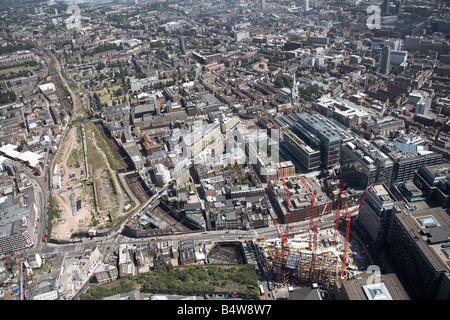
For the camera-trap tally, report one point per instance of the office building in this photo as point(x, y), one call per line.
point(395, 44)
point(299, 203)
point(106, 273)
point(398, 7)
point(385, 6)
point(419, 244)
point(307, 156)
point(344, 111)
point(406, 163)
point(364, 287)
point(17, 225)
point(399, 57)
point(363, 164)
point(182, 41)
point(374, 216)
point(385, 60)
point(198, 140)
point(412, 43)
point(421, 101)
point(321, 136)
point(306, 6)
point(162, 174)
point(435, 182)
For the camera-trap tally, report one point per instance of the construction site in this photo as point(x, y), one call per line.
point(324, 252)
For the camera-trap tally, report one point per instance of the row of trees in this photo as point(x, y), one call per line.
point(197, 279)
point(7, 97)
point(53, 212)
point(200, 279)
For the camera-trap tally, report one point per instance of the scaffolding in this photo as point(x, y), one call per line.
point(301, 269)
point(299, 266)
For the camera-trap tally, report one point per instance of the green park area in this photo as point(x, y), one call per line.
point(189, 280)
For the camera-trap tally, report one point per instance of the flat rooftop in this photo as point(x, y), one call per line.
point(430, 229)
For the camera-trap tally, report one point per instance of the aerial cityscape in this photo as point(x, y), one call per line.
point(217, 150)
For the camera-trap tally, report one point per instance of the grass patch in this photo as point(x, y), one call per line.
point(75, 158)
point(115, 164)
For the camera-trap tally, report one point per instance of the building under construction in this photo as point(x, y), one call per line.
point(301, 265)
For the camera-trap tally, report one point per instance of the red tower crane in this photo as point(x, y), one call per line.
point(315, 231)
point(284, 235)
point(348, 218)
point(286, 194)
point(339, 198)
point(311, 222)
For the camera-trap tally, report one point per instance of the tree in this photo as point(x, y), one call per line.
point(100, 66)
point(279, 83)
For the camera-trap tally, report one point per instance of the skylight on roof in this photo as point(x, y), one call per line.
point(427, 222)
point(377, 291)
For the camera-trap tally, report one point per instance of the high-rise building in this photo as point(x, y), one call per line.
point(385, 60)
point(374, 216)
point(419, 244)
point(306, 5)
point(363, 164)
point(398, 7)
point(385, 6)
point(263, 4)
point(320, 135)
point(182, 42)
point(412, 43)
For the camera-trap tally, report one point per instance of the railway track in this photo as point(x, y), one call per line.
point(53, 71)
point(137, 188)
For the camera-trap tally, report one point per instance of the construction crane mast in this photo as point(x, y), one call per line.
point(311, 222)
point(283, 234)
point(339, 198)
point(315, 231)
point(348, 218)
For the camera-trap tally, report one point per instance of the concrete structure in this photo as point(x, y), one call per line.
point(405, 164)
point(421, 101)
point(374, 215)
point(306, 6)
point(106, 273)
point(343, 111)
point(435, 181)
point(418, 242)
point(18, 233)
point(399, 57)
point(307, 156)
point(307, 137)
point(385, 59)
point(320, 135)
point(199, 139)
point(161, 173)
point(362, 287)
point(35, 260)
point(363, 164)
